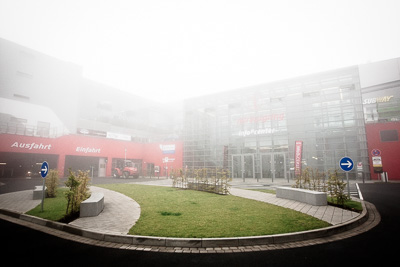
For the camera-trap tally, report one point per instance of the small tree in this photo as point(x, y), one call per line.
point(317, 180)
point(311, 179)
point(52, 182)
point(78, 191)
point(336, 188)
point(303, 180)
point(210, 180)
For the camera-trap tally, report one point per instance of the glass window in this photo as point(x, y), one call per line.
point(43, 128)
point(389, 136)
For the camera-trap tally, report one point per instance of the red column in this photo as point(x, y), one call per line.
point(109, 167)
point(61, 165)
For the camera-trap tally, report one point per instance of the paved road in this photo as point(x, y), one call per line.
point(22, 245)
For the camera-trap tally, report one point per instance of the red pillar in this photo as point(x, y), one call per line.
point(61, 165)
point(109, 167)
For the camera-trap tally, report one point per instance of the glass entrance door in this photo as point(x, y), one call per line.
point(248, 162)
point(273, 165)
point(279, 166)
point(266, 166)
point(236, 166)
point(243, 166)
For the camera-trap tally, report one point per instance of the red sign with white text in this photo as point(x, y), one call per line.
point(78, 145)
point(297, 157)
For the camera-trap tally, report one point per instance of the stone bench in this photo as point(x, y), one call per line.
point(92, 206)
point(314, 198)
point(38, 192)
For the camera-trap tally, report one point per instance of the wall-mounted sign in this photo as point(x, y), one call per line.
point(297, 157)
point(30, 146)
point(167, 160)
point(168, 149)
point(257, 132)
point(85, 131)
point(262, 118)
point(87, 149)
point(118, 136)
point(374, 100)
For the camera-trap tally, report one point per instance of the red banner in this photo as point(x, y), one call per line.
point(297, 157)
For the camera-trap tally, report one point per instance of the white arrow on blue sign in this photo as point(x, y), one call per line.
point(45, 169)
point(346, 164)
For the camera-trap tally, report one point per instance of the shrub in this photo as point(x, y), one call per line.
point(336, 188)
point(315, 180)
point(78, 185)
point(206, 179)
point(52, 182)
point(311, 179)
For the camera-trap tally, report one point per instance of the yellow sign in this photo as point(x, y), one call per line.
point(376, 162)
point(381, 99)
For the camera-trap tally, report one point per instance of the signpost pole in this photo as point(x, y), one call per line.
point(43, 172)
point(43, 192)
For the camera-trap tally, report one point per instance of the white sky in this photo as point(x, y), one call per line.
point(170, 50)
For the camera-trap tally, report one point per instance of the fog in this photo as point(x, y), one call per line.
point(172, 50)
point(213, 78)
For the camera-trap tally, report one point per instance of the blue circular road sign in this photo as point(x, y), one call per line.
point(346, 164)
point(375, 152)
point(45, 169)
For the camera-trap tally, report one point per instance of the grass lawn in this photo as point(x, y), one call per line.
point(53, 208)
point(173, 212)
point(348, 204)
point(269, 191)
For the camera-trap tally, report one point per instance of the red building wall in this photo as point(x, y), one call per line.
point(79, 145)
point(167, 155)
point(389, 151)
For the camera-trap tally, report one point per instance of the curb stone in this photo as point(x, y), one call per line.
point(205, 245)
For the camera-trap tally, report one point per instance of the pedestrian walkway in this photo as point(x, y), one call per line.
point(110, 228)
point(330, 214)
point(20, 201)
point(120, 213)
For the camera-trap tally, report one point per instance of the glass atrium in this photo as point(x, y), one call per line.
point(252, 131)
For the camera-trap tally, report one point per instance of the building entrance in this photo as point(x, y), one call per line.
point(271, 165)
point(243, 166)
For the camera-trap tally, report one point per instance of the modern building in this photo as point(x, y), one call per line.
point(22, 155)
point(255, 131)
point(49, 111)
point(381, 100)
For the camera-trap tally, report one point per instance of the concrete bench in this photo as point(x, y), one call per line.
point(314, 198)
point(93, 205)
point(38, 191)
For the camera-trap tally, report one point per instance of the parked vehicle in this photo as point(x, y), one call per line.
point(126, 168)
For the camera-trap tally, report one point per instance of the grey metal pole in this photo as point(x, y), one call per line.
point(43, 192)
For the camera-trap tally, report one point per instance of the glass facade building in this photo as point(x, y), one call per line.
point(252, 131)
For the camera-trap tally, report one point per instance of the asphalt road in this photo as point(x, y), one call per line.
point(22, 245)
